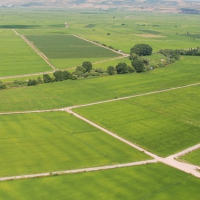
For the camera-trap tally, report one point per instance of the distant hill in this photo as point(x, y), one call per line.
point(146, 5)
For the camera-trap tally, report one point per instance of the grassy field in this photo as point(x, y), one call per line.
point(162, 123)
point(193, 157)
point(17, 57)
point(151, 182)
point(83, 91)
point(45, 142)
point(66, 51)
point(68, 46)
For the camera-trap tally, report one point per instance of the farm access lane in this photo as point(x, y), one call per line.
point(188, 168)
point(123, 55)
point(75, 171)
point(170, 161)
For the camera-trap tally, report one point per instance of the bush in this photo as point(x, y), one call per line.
point(2, 86)
point(138, 65)
point(111, 70)
point(87, 65)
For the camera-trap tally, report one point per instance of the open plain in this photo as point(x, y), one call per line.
point(107, 137)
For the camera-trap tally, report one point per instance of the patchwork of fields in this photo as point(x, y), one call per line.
point(151, 126)
point(161, 123)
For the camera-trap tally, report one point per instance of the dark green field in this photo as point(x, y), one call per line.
point(68, 46)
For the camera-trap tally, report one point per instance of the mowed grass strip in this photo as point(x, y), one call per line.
point(68, 46)
point(164, 123)
point(151, 182)
point(18, 58)
point(67, 93)
point(193, 157)
point(45, 142)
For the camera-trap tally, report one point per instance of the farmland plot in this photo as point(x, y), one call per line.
point(163, 123)
point(46, 142)
point(150, 182)
point(17, 57)
point(68, 51)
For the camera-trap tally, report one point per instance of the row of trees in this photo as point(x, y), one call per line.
point(58, 75)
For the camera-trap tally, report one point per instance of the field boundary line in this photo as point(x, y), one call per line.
point(75, 171)
point(170, 161)
point(186, 151)
point(15, 32)
point(26, 75)
point(99, 102)
point(38, 52)
point(82, 38)
point(136, 95)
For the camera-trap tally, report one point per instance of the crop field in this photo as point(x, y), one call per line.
point(68, 93)
point(151, 182)
point(193, 157)
point(17, 57)
point(162, 123)
point(45, 142)
point(70, 49)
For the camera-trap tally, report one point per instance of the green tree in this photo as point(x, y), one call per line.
point(47, 78)
point(122, 68)
point(141, 50)
point(66, 75)
point(111, 70)
point(138, 65)
point(87, 65)
point(58, 75)
point(32, 82)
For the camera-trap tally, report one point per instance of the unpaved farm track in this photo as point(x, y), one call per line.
point(170, 160)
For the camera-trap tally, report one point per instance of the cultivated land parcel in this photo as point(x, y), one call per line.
point(163, 123)
point(17, 57)
point(67, 50)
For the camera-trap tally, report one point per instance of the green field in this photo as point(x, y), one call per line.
point(68, 51)
point(17, 57)
point(45, 142)
point(193, 157)
point(162, 123)
point(151, 182)
point(83, 91)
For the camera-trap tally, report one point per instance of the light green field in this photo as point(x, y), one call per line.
point(45, 142)
point(67, 93)
point(193, 157)
point(17, 57)
point(151, 182)
point(162, 123)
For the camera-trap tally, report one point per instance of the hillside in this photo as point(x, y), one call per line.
point(143, 5)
